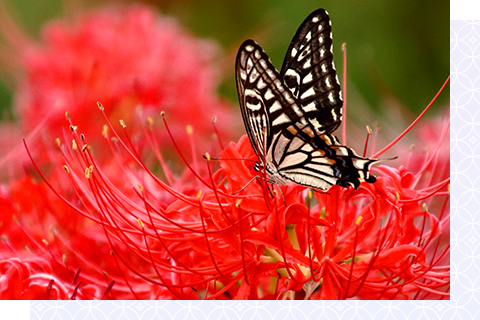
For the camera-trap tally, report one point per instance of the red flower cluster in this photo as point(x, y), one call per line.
point(128, 58)
point(192, 237)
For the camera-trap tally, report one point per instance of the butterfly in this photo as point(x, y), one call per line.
point(290, 115)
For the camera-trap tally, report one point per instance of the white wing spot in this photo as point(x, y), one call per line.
point(328, 82)
point(308, 36)
point(279, 85)
point(280, 120)
point(310, 107)
point(307, 148)
point(320, 27)
point(254, 75)
point(307, 63)
point(331, 98)
point(316, 124)
point(324, 67)
point(322, 52)
point(249, 48)
point(320, 160)
point(361, 163)
point(275, 106)
point(263, 64)
point(297, 110)
point(310, 92)
point(261, 83)
point(315, 19)
point(320, 39)
point(334, 115)
point(268, 94)
point(294, 52)
point(258, 55)
point(287, 97)
point(243, 74)
point(271, 74)
point(307, 78)
point(341, 151)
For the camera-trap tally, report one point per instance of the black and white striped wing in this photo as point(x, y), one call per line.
point(320, 162)
point(309, 72)
point(267, 106)
point(289, 115)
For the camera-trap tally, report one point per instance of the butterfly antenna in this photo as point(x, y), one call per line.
point(245, 186)
point(227, 159)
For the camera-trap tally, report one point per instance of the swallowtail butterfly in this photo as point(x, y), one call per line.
point(290, 115)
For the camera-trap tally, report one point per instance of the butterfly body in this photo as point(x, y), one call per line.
point(290, 115)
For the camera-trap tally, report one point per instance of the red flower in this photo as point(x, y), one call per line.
point(128, 58)
point(191, 236)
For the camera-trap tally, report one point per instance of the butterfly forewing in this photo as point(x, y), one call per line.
point(267, 105)
point(309, 72)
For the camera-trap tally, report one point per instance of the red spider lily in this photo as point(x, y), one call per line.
point(118, 231)
point(127, 57)
point(194, 236)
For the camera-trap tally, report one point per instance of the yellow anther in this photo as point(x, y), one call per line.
point(397, 195)
point(99, 105)
point(74, 144)
point(122, 123)
point(310, 194)
point(82, 136)
point(199, 194)
point(214, 119)
point(140, 223)
point(369, 130)
point(84, 147)
point(67, 115)
point(140, 187)
point(57, 142)
point(73, 128)
point(207, 155)
point(237, 204)
point(189, 130)
point(66, 169)
point(150, 121)
point(162, 113)
point(105, 130)
point(359, 219)
point(45, 242)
